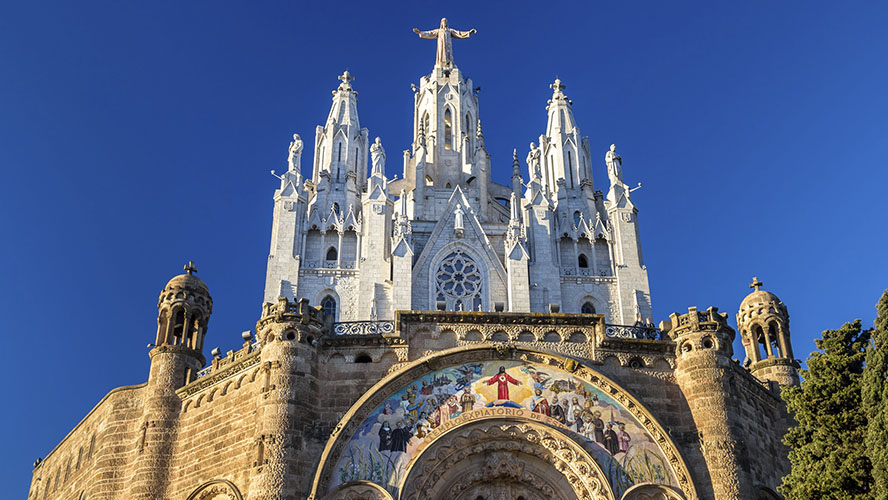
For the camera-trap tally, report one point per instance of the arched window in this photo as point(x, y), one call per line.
point(328, 305)
point(178, 327)
point(448, 130)
point(570, 174)
point(577, 217)
point(587, 308)
point(425, 123)
point(363, 358)
point(336, 209)
point(582, 261)
point(331, 254)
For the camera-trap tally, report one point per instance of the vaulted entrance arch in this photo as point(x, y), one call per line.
point(505, 458)
point(498, 422)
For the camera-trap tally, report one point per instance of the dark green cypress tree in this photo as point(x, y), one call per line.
point(828, 454)
point(875, 400)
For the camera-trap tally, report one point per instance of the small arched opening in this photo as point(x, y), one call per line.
point(363, 358)
point(328, 305)
point(587, 308)
point(331, 254)
point(582, 261)
point(448, 130)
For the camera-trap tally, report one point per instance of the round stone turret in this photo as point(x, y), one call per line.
point(763, 322)
point(184, 309)
point(705, 372)
point(289, 332)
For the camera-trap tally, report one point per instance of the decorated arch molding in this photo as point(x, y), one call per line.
point(359, 490)
point(511, 451)
point(215, 489)
point(387, 432)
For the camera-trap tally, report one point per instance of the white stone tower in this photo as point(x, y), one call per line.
point(444, 235)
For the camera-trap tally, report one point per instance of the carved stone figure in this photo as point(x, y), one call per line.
point(458, 219)
point(377, 155)
point(533, 161)
point(614, 166)
point(294, 160)
point(444, 55)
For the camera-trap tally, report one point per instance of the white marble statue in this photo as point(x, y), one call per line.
point(294, 160)
point(444, 55)
point(533, 161)
point(458, 219)
point(614, 166)
point(377, 155)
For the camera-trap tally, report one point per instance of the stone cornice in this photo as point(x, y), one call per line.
point(498, 318)
point(219, 375)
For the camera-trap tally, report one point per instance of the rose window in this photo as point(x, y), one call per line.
point(459, 283)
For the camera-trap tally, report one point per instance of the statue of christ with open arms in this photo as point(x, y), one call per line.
point(444, 56)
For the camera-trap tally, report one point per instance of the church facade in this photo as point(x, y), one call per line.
point(437, 335)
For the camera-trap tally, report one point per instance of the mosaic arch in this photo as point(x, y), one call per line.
point(388, 430)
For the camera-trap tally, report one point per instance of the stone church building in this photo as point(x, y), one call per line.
point(438, 336)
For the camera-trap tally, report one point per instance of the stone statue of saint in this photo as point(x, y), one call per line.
point(377, 155)
point(533, 161)
point(294, 160)
point(614, 166)
point(458, 219)
point(444, 55)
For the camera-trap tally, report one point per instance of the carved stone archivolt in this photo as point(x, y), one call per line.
point(652, 492)
point(386, 387)
point(496, 457)
point(359, 490)
point(217, 489)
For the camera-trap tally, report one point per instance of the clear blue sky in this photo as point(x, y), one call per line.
point(135, 136)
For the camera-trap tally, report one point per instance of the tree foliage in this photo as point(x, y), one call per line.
point(875, 400)
point(828, 455)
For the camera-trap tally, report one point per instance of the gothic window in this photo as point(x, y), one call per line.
point(459, 282)
point(336, 209)
point(587, 308)
point(582, 261)
point(570, 168)
point(331, 254)
point(339, 153)
point(448, 130)
point(425, 123)
point(328, 305)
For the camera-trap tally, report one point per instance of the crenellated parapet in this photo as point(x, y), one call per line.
point(681, 326)
point(298, 312)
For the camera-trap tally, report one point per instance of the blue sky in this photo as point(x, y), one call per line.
point(135, 136)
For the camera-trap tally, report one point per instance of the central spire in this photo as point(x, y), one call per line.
point(444, 55)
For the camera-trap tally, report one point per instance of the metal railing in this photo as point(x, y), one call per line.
point(363, 327)
point(632, 332)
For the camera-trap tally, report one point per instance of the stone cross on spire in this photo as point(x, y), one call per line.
point(189, 268)
point(755, 283)
point(346, 79)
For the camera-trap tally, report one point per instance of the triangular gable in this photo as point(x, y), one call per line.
point(402, 248)
point(517, 252)
point(473, 232)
